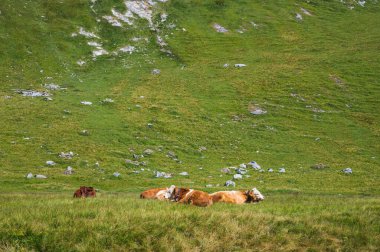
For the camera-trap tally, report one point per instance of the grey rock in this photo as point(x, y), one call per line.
point(84, 133)
point(148, 152)
point(258, 111)
point(230, 183)
point(172, 155)
point(299, 17)
point(226, 65)
point(202, 148)
point(319, 166)
point(281, 170)
point(29, 176)
point(240, 65)
point(209, 185)
point(347, 171)
point(184, 174)
point(87, 103)
point(225, 170)
point(128, 161)
point(156, 71)
point(33, 93)
point(220, 28)
point(67, 155)
point(52, 86)
point(270, 170)
point(48, 99)
point(254, 165)
point(241, 171)
point(50, 163)
point(69, 171)
point(162, 174)
point(243, 166)
point(107, 100)
point(238, 176)
point(116, 174)
point(39, 176)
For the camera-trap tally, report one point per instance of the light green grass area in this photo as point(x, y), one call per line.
point(318, 79)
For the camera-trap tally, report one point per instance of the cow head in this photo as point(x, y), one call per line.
point(169, 194)
point(254, 195)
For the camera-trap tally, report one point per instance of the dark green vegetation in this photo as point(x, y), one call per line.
point(318, 79)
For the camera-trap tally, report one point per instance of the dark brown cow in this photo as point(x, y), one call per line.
point(84, 192)
point(156, 193)
point(237, 197)
point(188, 196)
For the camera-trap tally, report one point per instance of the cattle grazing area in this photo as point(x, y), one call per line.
point(263, 114)
point(122, 221)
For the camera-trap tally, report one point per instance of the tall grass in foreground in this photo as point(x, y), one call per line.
point(55, 222)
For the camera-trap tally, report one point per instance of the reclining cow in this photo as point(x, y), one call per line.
point(188, 196)
point(84, 192)
point(156, 193)
point(237, 197)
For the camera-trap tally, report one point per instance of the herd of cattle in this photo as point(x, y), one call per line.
point(188, 196)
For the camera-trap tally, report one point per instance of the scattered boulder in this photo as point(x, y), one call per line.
point(306, 12)
point(240, 65)
point(68, 155)
point(202, 148)
point(156, 71)
point(241, 171)
point(226, 65)
point(148, 152)
point(87, 103)
point(281, 170)
point(254, 165)
point(116, 174)
point(184, 174)
point(33, 93)
point(52, 86)
point(347, 171)
point(162, 174)
point(230, 183)
point(107, 100)
point(39, 176)
point(270, 170)
point(220, 28)
point(225, 170)
point(29, 175)
point(171, 155)
point(258, 111)
point(299, 17)
point(209, 185)
point(319, 166)
point(50, 163)
point(128, 161)
point(238, 176)
point(69, 171)
point(243, 166)
point(84, 133)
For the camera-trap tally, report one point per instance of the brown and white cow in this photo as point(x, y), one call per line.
point(188, 196)
point(84, 192)
point(156, 193)
point(237, 197)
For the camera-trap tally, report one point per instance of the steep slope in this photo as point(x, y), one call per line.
point(312, 66)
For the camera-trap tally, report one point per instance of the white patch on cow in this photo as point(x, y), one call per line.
point(258, 193)
point(169, 192)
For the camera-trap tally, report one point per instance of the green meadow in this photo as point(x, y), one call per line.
point(318, 80)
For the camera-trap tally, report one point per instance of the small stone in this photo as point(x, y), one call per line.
point(209, 185)
point(29, 176)
point(270, 170)
point(50, 163)
point(116, 174)
point(68, 155)
point(243, 166)
point(254, 165)
point(38, 176)
point(220, 28)
point(172, 155)
point(238, 176)
point(84, 133)
point(319, 166)
point(225, 170)
point(281, 170)
point(202, 148)
point(299, 17)
point(156, 71)
point(107, 100)
point(69, 170)
point(230, 183)
point(150, 125)
point(347, 171)
point(48, 99)
point(148, 152)
point(258, 111)
point(87, 103)
point(241, 171)
point(184, 174)
point(226, 65)
point(240, 65)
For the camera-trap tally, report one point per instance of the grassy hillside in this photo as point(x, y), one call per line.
point(317, 78)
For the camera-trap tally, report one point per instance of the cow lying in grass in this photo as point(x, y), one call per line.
point(156, 193)
point(237, 197)
point(84, 192)
point(188, 196)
